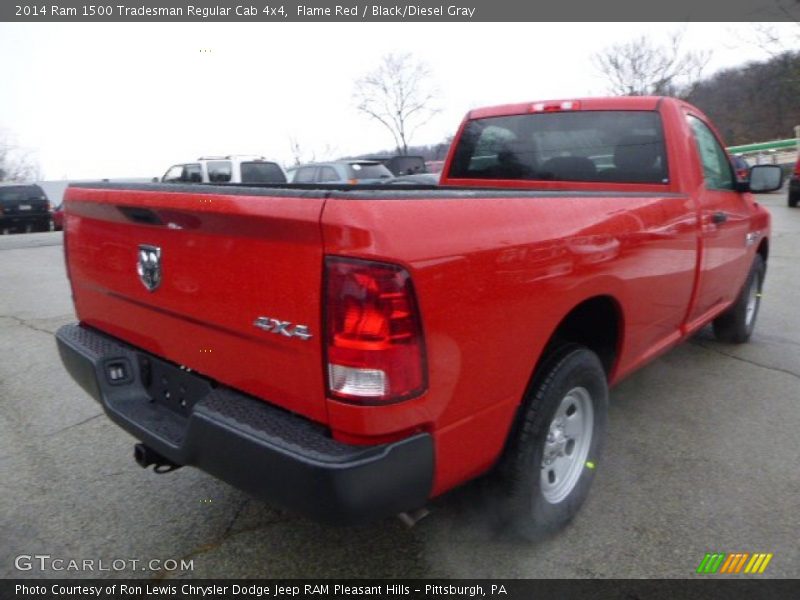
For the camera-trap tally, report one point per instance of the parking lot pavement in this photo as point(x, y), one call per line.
point(702, 456)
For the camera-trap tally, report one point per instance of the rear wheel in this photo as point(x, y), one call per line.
point(550, 464)
point(736, 324)
point(793, 199)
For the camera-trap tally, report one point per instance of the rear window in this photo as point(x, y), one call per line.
point(610, 146)
point(369, 171)
point(406, 165)
point(18, 193)
point(262, 172)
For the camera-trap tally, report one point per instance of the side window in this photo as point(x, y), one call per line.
point(192, 173)
point(327, 175)
point(716, 167)
point(219, 171)
point(173, 174)
point(305, 175)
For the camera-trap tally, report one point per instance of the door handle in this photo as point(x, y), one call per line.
point(719, 217)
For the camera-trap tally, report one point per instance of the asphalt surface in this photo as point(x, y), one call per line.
point(703, 455)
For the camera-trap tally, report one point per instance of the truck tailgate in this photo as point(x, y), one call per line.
point(226, 258)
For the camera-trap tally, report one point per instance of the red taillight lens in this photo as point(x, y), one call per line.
point(797, 168)
point(376, 352)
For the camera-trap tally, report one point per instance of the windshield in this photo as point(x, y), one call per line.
point(21, 193)
point(610, 146)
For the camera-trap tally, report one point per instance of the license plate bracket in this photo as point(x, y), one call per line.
point(171, 386)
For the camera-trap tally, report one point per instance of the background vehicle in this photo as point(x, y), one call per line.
point(357, 350)
point(741, 167)
point(417, 179)
point(434, 166)
point(401, 165)
point(794, 185)
point(343, 171)
point(58, 217)
point(23, 207)
point(226, 169)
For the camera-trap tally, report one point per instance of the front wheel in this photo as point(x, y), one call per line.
point(551, 462)
point(736, 325)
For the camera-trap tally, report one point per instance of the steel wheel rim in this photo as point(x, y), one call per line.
point(566, 447)
point(752, 302)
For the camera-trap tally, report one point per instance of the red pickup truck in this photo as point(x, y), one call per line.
point(352, 351)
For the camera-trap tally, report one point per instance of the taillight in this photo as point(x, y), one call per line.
point(797, 168)
point(375, 347)
point(65, 243)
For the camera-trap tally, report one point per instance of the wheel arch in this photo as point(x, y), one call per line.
point(605, 340)
point(763, 249)
point(597, 323)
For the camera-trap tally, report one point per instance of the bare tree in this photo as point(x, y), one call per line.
point(400, 95)
point(777, 39)
point(16, 163)
point(301, 154)
point(640, 67)
point(298, 155)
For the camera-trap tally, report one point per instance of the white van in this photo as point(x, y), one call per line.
point(235, 168)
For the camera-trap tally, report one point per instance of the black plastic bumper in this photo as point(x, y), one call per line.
point(266, 451)
point(21, 220)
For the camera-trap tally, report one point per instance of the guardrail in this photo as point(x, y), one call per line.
point(789, 144)
point(775, 152)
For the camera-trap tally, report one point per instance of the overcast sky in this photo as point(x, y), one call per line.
point(129, 100)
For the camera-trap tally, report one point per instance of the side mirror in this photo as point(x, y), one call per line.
point(766, 178)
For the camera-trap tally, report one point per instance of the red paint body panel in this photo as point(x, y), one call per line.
point(494, 273)
point(226, 261)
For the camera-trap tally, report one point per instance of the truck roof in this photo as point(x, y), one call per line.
point(236, 157)
point(607, 103)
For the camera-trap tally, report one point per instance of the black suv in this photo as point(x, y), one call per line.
point(401, 165)
point(23, 207)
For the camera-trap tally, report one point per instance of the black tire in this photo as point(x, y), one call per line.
point(526, 510)
point(736, 325)
point(793, 200)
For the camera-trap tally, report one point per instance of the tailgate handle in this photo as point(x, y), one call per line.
point(719, 217)
point(140, 215)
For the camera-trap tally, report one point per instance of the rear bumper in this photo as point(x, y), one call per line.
point(23, 219)
point(266, 451)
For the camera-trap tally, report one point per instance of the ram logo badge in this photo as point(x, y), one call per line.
point(149, 266)
point(286, 328)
